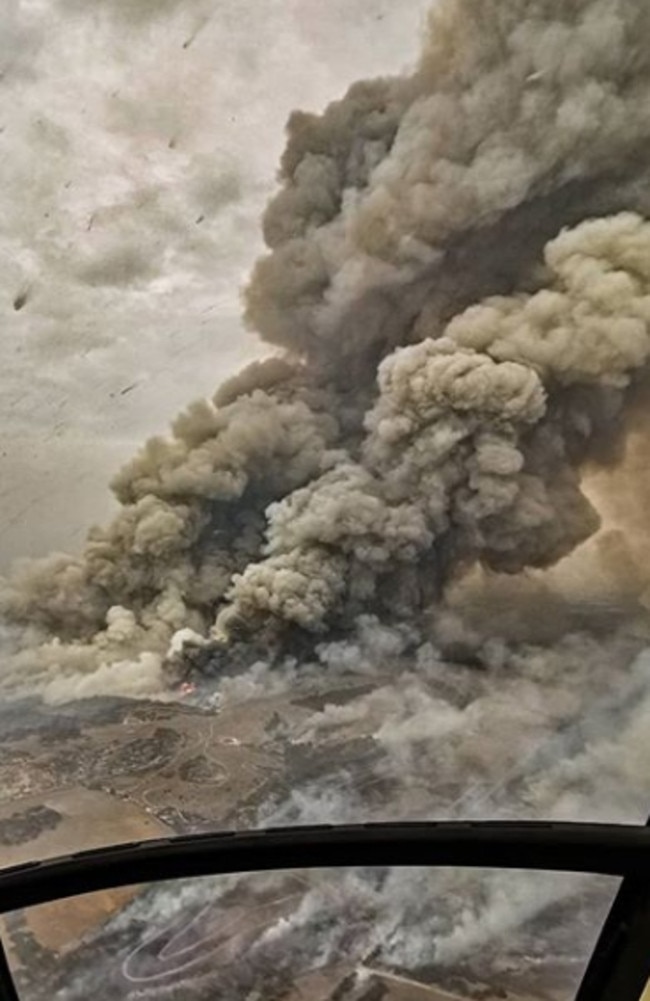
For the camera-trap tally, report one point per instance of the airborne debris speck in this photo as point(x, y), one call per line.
point(21, 300)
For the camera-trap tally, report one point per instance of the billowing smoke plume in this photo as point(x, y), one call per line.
point(457, 296)
point(459, 285)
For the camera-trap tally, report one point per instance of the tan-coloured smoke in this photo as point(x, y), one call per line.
point(459, 283)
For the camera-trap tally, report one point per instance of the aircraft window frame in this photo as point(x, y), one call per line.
point(619, 968)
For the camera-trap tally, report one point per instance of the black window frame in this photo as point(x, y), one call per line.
point(619, 968)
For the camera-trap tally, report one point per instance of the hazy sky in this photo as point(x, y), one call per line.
point(139, 141)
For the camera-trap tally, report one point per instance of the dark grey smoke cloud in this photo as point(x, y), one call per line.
point(458, 286)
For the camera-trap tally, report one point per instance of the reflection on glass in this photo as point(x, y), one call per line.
point(347, 934)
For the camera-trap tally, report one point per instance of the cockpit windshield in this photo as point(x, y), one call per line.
point(324, 426)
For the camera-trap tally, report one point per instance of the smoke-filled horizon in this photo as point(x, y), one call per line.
point(457, 284)
point(437, 483)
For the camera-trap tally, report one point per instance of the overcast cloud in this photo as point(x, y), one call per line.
point(139, 141)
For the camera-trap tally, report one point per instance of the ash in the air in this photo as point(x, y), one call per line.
point(458, 285)
point(457, 291)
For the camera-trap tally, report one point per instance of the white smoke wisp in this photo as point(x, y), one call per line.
point(536, 732)
point(188, 938)
point(559, 734)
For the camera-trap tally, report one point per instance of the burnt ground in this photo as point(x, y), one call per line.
point(108, 770)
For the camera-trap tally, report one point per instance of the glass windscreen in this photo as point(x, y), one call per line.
point(344, 934)
point(324, 414)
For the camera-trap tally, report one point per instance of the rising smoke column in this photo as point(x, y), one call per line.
point(458, 283)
